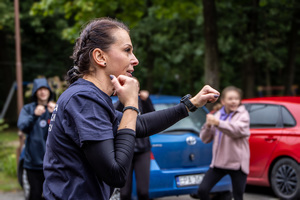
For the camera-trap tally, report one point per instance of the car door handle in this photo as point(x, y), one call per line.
point(270, 139)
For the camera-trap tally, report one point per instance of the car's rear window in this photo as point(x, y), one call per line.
point(288, 119)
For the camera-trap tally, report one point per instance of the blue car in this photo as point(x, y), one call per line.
point(179, 158)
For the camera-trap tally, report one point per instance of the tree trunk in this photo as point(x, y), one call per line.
point(290, 68)
point(249, 77)
point(268, 83)
point(211, 60)
point(249, 63)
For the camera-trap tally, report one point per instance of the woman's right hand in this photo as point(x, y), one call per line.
point(127, 89)
point(206, 94)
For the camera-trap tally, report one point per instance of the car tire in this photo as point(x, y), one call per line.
point(285, 178)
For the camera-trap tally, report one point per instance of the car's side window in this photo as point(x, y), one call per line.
point(263, 115)
point(288, 119)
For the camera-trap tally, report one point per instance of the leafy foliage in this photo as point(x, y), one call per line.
point(3, 125)
point(167, 37)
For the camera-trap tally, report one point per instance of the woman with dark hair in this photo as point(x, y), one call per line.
point(229, 129)
point(90, 145)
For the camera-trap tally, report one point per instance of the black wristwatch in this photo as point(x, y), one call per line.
point(188, 103)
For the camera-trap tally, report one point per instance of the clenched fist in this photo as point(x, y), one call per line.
point(39, 110)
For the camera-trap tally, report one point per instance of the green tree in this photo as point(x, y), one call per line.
point(253, 41)
point(44, 52)
point(166, 36)
point(255, 44)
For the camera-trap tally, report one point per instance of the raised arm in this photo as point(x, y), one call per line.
point(154, 122)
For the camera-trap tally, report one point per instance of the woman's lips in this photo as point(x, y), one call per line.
point(129, 73)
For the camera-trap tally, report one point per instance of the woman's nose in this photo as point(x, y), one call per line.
point(134, 61)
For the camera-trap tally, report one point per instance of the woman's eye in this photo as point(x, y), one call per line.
point(128, 50)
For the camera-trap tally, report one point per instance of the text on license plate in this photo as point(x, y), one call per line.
point(187, 180)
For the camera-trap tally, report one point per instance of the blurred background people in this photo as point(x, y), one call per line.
point(229, 131)
point(34, 120)
point(215, 108)
point(141, 157)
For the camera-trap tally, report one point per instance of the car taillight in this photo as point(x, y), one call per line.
point(152, 156)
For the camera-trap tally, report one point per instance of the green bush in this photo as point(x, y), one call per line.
point(9, 165)
point(3, 125)
point(8, 160)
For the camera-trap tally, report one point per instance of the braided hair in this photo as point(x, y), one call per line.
point(96, 34)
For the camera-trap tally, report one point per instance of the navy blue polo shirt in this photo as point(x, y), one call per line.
point(82, 113)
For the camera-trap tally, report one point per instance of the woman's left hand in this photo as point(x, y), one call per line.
point(206, 94)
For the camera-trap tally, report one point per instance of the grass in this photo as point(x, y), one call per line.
point(8, 163)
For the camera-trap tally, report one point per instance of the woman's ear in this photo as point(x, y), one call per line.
point(99, 57)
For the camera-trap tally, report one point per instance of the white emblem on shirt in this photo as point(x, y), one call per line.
point(43, 123)
point(55, 108)
point(53, 117)
point(50, 127)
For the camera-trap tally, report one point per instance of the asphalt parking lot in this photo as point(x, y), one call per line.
point(252, 193)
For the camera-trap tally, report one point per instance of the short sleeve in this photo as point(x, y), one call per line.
point(92, 116)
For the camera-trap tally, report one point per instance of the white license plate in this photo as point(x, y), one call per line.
point(188, 180)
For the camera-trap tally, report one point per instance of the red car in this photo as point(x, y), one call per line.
point(275, 144)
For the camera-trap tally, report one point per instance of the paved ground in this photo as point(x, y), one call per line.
point(252, 193)
point(18, 195)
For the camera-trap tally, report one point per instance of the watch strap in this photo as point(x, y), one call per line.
point(188, 103)
point(132, 108)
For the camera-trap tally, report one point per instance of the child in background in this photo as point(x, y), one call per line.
point(229, 131)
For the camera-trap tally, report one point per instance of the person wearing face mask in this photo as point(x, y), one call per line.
point(229, 130)
point(34, 121)
point(90, 145)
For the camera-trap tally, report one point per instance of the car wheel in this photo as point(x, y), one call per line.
point(285, 178)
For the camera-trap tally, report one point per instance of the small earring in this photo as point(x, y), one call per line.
point(105, 64)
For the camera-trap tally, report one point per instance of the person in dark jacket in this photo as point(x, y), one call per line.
point(141, 157)
point(33, 121)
